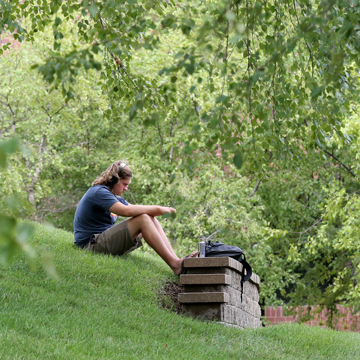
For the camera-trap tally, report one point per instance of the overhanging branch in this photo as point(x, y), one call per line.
point(342, 164)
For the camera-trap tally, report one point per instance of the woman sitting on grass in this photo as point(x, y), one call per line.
point(97, 212)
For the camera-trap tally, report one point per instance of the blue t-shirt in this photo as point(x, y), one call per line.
point(92, 215)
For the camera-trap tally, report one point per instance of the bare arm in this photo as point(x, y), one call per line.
point(134, 210)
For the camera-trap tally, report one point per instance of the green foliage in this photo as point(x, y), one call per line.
point(242, 115)
point(13, 235)
point(7, 147)
point(41, 118)
point(330, 258)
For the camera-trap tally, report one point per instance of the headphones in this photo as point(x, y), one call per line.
point(114, 179)
point(121, 166)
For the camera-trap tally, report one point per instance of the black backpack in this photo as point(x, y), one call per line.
point(218, 249)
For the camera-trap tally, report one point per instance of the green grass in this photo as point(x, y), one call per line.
point(104, 307)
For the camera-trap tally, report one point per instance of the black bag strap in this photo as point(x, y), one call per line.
point(247, 267)
point(233, 252)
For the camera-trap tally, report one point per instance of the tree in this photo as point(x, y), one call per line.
point(267, 86)
point(260, 52)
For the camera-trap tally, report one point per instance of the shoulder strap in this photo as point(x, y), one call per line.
point(247, 267)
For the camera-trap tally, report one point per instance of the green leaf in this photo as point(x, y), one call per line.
point(172, 178)
point(190, 68)
point(316, 91)
point(231, 16)
point(93, 9)
point(8, 147)
point(57, 21)
point(238, 160)
point(48, 265)
point(170, 216)
point(70, 94)
point(155, 116)
point(221, 99)
point(24, 231)
point(168, 21)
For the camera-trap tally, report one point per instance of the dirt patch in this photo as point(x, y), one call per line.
point(168, 297)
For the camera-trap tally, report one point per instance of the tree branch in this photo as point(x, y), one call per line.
point(12, 125)
point(118, 62)
point(342, 164)
point(47, 110)
point(313, 225)
point(255, 188)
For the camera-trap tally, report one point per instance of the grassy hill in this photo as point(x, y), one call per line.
point(104, 307)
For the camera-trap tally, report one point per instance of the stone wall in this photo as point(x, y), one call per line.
point(212, 291)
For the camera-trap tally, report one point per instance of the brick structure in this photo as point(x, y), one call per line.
point(345, 321)
point(212, 291)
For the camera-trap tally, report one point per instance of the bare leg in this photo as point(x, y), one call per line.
point(145, 225)
point(165, 238)
point(162, 233)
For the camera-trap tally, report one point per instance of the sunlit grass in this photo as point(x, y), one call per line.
point(106, 307)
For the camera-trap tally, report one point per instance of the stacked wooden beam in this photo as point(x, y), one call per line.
point(212, 291)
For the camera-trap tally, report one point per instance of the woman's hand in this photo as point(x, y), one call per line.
point(165, 209)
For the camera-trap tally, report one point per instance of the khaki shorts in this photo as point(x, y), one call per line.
point(115, 241)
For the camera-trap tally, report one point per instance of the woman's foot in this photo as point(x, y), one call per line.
point(194, 254)
point(178, 270)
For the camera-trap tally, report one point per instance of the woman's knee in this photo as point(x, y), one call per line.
point(145, 218)
point(138, 223)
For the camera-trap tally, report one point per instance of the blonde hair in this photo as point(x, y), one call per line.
point(111, 176)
